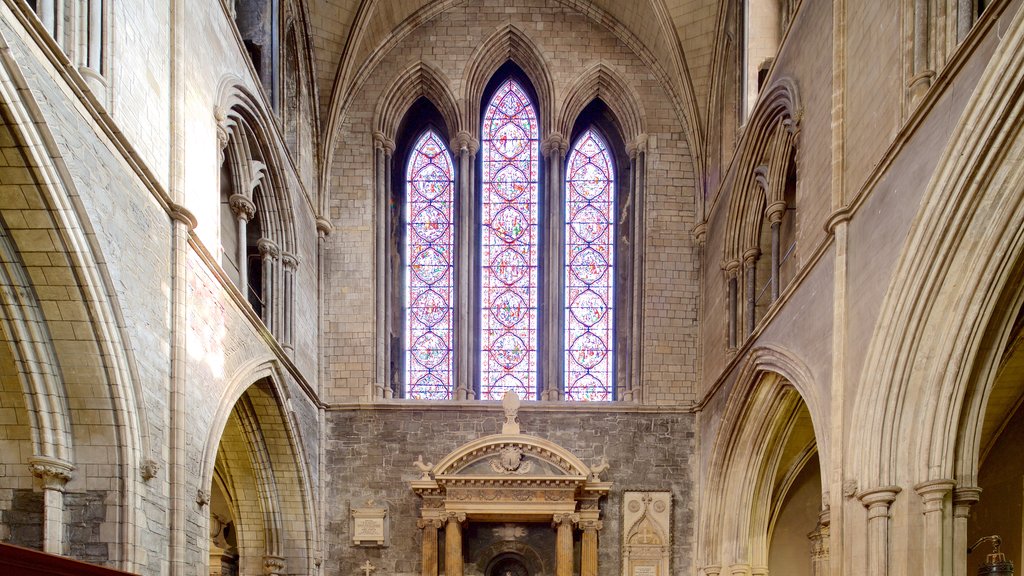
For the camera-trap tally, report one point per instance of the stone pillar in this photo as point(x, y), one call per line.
point(429, 526)
point(775, 213)
point(46, 11)
point(465, 288)
point(453, 544)
point(269, 253)
point(54, 474)
point(963, 499)
point(563, 543)
point(552, 336)
point(731, 273)
point(243, 209)
point(381, 202)
point(922, 77)
point(750, 277)
point(877, 501)
point(589, 547)
point(388, 302)
point(820, 552)
point(93, 58)
point(639, 151)
point(273, 565)
point(290, 264)
point(933, 496)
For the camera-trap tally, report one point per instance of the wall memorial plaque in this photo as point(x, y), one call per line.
point(370, 526)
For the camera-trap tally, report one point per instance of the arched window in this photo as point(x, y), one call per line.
point(509, 244)
point(589, 270)
point(429, 270)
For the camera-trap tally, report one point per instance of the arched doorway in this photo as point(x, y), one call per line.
point(508, 564)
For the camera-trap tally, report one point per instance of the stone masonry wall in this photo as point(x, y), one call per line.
point(369, 454)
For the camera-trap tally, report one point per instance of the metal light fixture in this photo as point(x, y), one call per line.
point(996, 563)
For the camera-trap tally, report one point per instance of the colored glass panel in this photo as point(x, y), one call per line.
point(509, 250)
point(589, 270)
point(429, 258)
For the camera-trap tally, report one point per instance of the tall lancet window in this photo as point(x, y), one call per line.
point(429, 258)
point(509, 245)
point(589, 270)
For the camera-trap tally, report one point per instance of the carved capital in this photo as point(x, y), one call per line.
point(700, 234)
point(775, 211)
point(273, 565)
point(555, 143)
point(426, 523)
point(933, 492)
point(731, 268)
point(378, 140)
point(464, 141)
point(456, 517)
point(389, 146)
point(324, 226)
point(242, 207)
point(761, 177)
point(565, 518)
point(966, 496)
point(289, 261)
point(268, 248)
point(595, 525)
point(750, 257)
point(878, 500)
point(54, 472)
point(712, 570)
point(637, 146)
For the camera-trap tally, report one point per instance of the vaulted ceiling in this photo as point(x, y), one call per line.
point(677, 34)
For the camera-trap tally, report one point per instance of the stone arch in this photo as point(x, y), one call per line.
point(279, 524)
point(418, 80)
point(508, 43)
point(602, 82)
point(969, 228)
point(91, 357)
point(758, 421)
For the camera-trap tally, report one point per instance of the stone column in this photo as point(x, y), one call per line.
point(820, 554)
point(243, 209)
point(380, 264)
point(639, 152)
point(775, 212)
point(54, 474)
point(93, 58)
point(750, 277)
point(933, 496)
point(589, 547)
point(465, 289)
point(453, 544)
point(963, 499)
point(45, 9)
point(731, 277)
point(429, 526)
point(290, 264)
point(563, 543)
point(877, 501)
point(552, 336)
point(269, 253)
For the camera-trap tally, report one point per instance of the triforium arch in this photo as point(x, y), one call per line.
point(68, 344)
point(508, 43)
point(763, 199)
point(257, 232)
point(255, 470)
point(772, 429)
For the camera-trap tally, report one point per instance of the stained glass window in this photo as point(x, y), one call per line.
point(509, 248)
point(589, 270)
point(429, 258)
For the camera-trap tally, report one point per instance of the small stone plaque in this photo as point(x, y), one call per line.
point(645, 570)
point(370, 527)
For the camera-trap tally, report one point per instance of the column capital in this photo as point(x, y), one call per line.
point(434, 523)
point(731, 268)
point(761, 177)
point(700, 233)
point(565, 518)
point(378, 139)
point(555, 143)
point(455, 517)
point(54, 472)
point(739, 569)
point(289, 261)
point(242, 207)
point(750, 256)
point(465, 141)
point(759, 571)
point(268, 248)
point(880, 497)
point(713, 570)
point(324, 226)
point(637, 146)
point(595, 525)
point(966, 495)
point(934, 490)
point(775, 211)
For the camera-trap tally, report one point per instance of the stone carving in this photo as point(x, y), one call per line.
point(647, 527)
point(509, 532)
point(510, 461)
point(150, 468)
point(424, 468)
point(598, 469)
point(54, 473)
point(202, 497)
point(510, 402)
point(273, 565)
point(367, 568)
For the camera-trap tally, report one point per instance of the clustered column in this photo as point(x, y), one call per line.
point(554, 149)
point(637, 151)
point(55, 474)
point(383, 148)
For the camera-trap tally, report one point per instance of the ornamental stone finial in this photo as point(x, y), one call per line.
point(511, 404)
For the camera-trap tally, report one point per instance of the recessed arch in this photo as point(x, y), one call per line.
point(602, 82)
point(420, 80)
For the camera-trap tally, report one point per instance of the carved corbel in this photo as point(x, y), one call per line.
point(242, 207)
point(324, 226)
point(54, 472)
point(273, 565)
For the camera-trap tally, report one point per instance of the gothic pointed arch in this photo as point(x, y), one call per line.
point(600, 81)
point(420, 80)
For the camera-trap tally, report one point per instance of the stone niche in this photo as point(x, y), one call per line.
point(508, 479)
point(646, 524)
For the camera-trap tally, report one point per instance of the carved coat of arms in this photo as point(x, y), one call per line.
point(510, 461)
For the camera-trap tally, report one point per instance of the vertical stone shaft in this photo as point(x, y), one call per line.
point(588, 551)
point(380, 237)
point(776, 259)
point(963, 499)
point(429, 557)
point(563, 545)
point(453, 546)
point(877, 502)
point(933, 495)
